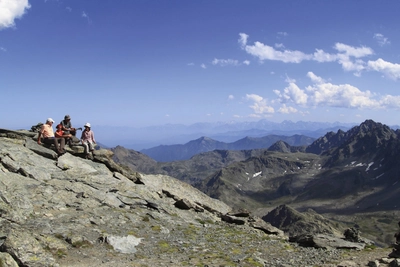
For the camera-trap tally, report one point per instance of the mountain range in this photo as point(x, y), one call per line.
point(343, 174)
point(139, 138)
point(165, 153)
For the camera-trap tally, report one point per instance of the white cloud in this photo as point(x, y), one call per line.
point(382, 40)
point(289, 80)
point(343, 96)
point(11, 10)
point(320, 56)
point(190, 64)
point(231, 97)
point(315, 78)
point(246, 62)
point(349, 65)
point(243, 39)
point(353, 51)
point(203, 66)
point(292, 93)
point(259, 105)
point(287, 110)
point(390, 70)
point(349, 57)
point(225, 62)
point(3, 49)
point(323, 94)
point(265, 52)
point(283, 33)
point(390, 101)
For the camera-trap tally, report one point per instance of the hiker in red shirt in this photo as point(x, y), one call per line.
point(47, 133)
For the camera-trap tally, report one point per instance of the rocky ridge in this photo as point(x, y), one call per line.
point(70, 211)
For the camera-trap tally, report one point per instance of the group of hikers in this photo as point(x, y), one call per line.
point(66, 134)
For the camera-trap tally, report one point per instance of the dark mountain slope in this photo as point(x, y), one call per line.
point(282, 146)
point(261, 179)
point(164, 153)
point(197, 168)
point(248, 143)
point(367, 142)
point(350, 175)
point(361, 172)
point(133, 159)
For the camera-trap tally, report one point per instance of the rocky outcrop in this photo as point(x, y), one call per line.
point(311, 229)
point(296, 223)
point(396, 246)
point(70, 211)
point(325, 242)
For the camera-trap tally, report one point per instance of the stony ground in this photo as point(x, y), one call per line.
point(212, 244)
point(62, 212)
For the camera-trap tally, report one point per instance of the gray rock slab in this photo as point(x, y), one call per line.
point(124, 244)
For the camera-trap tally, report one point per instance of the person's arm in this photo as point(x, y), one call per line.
point(40, 134)
point(94, 141)
point(64, 127)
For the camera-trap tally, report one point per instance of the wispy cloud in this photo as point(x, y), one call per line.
point(231, 97)
point(3, 49)
point(382, 40)
point(225, 62)
point(229, 62)
point(86, 16)
point(11, 10)
point(203, 66)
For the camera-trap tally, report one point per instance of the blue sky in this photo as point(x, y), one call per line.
point(140, 63)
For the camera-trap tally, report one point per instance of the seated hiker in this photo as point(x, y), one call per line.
point(88, 140)
point(68, 129)
point(47, 133)
point(60, 133)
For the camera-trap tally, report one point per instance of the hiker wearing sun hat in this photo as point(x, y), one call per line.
point(46, 134)
point(68, 129)
point(88, 140)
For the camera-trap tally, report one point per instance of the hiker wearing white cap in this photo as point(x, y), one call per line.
point(88, 140)
point(47, 133)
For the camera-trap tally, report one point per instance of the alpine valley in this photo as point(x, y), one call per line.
point(350, 177)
